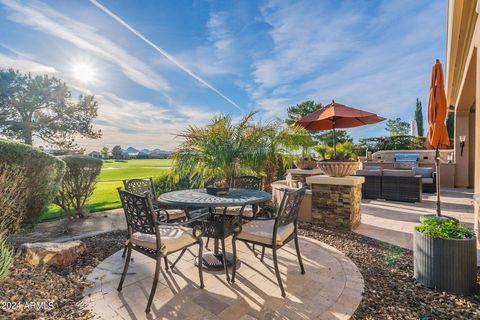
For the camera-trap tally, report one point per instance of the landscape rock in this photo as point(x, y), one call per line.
point(51, 253)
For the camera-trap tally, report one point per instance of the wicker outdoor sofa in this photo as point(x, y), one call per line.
point(397, 185)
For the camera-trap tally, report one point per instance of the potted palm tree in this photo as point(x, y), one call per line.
point(445, 255)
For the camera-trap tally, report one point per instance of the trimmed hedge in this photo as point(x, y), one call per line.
point(78, 184)
point(43, 173)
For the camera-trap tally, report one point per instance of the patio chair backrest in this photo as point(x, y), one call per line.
point(139, 212)
point(247, 182)
point(290, 206)
point(140, 186)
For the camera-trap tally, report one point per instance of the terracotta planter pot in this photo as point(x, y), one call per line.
point(338, 168)
point(305, 164)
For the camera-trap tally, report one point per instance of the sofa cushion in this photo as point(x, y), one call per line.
point(261, 231)
point(425, 172)
point(427, 180)
point(368, 172)
point(398, 173)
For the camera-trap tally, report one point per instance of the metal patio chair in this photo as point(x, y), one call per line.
point(156, 239)
point(273, 232)
point(140, 186)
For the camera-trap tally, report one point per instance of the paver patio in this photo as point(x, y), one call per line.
point(331, 288)
point(394, 222)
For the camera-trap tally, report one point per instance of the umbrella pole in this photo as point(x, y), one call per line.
point(437, 167)
point(334, 142)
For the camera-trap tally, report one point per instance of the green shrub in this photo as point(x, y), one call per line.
point(444, 228)
point(393, 143)
point(13, 193)
point(166, 183)
point(43, 175)
point(345, 151)
point(78, 184)
point(6, 256)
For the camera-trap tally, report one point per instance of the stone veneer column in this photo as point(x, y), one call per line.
point(336, 202)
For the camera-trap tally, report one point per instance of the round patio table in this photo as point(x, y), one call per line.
point(199, 198)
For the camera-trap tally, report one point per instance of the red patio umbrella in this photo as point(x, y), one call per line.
point(437, 137)
point(335, 115)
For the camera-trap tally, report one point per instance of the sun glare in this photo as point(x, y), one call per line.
point(84, 72)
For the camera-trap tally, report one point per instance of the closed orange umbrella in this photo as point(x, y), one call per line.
point(437, 136)
point(336, 115)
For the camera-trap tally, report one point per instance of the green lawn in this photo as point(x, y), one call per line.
point(105, 195)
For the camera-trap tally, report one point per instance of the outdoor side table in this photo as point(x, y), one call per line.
point(219, 226)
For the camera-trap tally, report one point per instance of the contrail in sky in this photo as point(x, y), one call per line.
point(163, 52)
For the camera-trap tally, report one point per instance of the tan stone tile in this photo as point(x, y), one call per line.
point(255, 293)
point(210, 303)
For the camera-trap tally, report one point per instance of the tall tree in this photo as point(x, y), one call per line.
point(451, 124)
point(326, 138)
point(117, 152)
point(419, 118)
point(104, 152)
point(300, 110)
point(42, 107)
point(397, 127)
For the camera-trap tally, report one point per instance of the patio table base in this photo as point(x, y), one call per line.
point(214, 262)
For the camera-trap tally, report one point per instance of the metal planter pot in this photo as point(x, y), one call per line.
point(445, 264)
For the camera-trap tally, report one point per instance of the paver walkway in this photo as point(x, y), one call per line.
point(331, 288)
point(63, 230)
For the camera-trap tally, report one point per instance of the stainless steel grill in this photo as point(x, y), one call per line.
point(406, 160)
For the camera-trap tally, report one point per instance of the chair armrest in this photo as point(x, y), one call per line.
point(183, 223)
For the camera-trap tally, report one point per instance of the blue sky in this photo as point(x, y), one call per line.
point(230, 57)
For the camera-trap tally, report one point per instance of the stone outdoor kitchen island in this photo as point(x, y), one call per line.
point(336, 201)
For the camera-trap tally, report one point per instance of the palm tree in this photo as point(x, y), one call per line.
point(221, 149)
point(218, 150)
point(282, 147)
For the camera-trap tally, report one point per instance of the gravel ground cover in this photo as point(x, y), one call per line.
point(390, 290)
point(54, 292)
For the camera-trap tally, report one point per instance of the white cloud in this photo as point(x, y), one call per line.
point(142, 124)
point(25, 64)
point(220, 55)
point(377, 59)
point(50, 21)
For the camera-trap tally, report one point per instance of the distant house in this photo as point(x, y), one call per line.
point(95, 154)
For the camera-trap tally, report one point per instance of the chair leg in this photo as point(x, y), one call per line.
point(263, 254)
point(277, 271)
point(125, 268)
point(302, 269)
point(234, 249)
point(225, 262)
point(154, 285)
point(206, 244)
point(200, 263)
point(124, 251)
point(178, 259)
point(166, 263)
